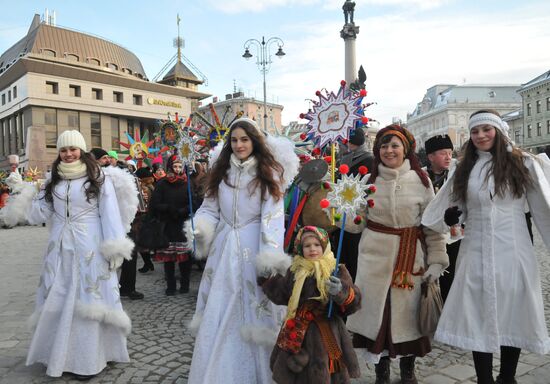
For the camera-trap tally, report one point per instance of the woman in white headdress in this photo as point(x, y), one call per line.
point(495, 303)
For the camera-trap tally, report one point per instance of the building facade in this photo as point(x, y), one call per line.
point(535, 131)
point(446, 109)
point(55, 79)
point(236, 103)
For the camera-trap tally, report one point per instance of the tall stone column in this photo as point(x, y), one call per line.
point(349, 34)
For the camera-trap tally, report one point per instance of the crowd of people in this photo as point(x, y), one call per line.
point(263, 315)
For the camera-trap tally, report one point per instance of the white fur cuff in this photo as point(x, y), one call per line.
point(115, 250)
point(272, 263)
point(115, 317)
point(204, 234)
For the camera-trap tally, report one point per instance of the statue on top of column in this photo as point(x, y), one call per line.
point(348, 8)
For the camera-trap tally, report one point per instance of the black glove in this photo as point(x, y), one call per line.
point(451, 216)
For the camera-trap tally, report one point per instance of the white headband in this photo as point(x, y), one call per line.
point(246, 120)
point(489, 119)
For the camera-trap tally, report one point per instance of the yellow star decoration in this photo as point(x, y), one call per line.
point(185, 150)
point(348, 194)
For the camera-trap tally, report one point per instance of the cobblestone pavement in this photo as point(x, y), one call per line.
point(161, 348)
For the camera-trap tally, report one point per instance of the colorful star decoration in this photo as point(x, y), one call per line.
point(32, 174)
point(333, 116)
point(187, 147)
point(140, 150)
point(349, 194)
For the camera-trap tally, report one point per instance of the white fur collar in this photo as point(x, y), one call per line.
point(246, 165)
point(392, 173)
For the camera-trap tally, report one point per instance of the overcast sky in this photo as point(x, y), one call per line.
point(405, 46)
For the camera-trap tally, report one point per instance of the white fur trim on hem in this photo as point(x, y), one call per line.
point(272, 263)
point(115, 317)
point(205, 231)
point(259, 335)
point(115, 249)
point(195, 323)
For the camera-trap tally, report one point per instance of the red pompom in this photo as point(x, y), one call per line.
point(328, 159)
point(344, 169)
point(370, 203)
point(344, 141)
point(303, 136)
point(363, 170)
point(302, 116)
point(343, 83)
point(318, 93)
point(358, 219)
point(324, 203)
point(191, 133)
point(363, 93)
point(293, 335)
point(201, 142)
point(309, 316)
point(326, 186)
point(372, 188)
point(364, 120)
point(291, 323)
point(316, 152)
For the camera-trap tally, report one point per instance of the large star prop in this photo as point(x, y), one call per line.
point(349, 194)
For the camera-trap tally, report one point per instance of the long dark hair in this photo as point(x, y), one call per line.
point(94, 182)
point(268, 168)
point(507, 168)
point(383, 138)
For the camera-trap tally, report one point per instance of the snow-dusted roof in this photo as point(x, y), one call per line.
point(545, 77)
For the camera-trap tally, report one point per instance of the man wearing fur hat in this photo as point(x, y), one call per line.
point(439, 150)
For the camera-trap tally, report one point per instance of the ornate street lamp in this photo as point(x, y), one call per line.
point(263, 60)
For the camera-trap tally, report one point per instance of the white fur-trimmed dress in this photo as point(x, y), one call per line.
point(236, 323)
point(79, 321)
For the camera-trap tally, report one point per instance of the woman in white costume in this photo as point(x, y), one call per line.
point(495, 303)
point(239, 225)
point(79, 321)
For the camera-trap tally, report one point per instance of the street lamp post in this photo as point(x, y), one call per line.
point(263, 60)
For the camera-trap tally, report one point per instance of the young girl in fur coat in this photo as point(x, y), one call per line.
point(311, 347)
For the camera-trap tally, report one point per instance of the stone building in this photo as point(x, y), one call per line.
point(535, 132)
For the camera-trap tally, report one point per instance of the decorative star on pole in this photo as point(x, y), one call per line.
point(349, 194)
point(334, 116)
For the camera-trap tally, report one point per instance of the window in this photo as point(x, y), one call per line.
point(20, 131)
point(3, 98)
point(528, 109)
point(52, 88)
point(517, 136)
point(97, 94)
point(138, 100)
point(548, 103)
point(117, 97)
point(111, 66)
point(93, 61)
point(95, 126)
point(529, 131)
point(50, 125)
point(67, 120)
point(71, 57)
point(539, 129)
point(9, 95)
point(6, 137)
point(74, 90)
point(127, 70)
point(2, 153)
point(548, 127)
point(539, 106)
point(131, 129)
point(48, 52)
point(115, 133)
point(15, 92)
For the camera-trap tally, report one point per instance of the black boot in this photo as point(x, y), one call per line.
point(500, 380)
point(147, 263)
point(170, 277)
point(185, 274)
point(509, 357)
point(382, 370)
point(406, 365)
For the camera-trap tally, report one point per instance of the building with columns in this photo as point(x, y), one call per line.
point(446, 108)
point(56, 79)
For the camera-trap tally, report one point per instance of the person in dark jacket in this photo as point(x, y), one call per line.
point(170, 204)
point(357, 159)
point(312, 347)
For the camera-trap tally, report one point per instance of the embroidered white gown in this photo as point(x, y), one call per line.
point(80, 323)
point(496, 296)
point(236, 315)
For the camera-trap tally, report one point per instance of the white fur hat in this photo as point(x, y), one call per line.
point(13, 159)
point(71, 138)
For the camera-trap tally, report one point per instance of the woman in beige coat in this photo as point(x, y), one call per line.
point(395, 255)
